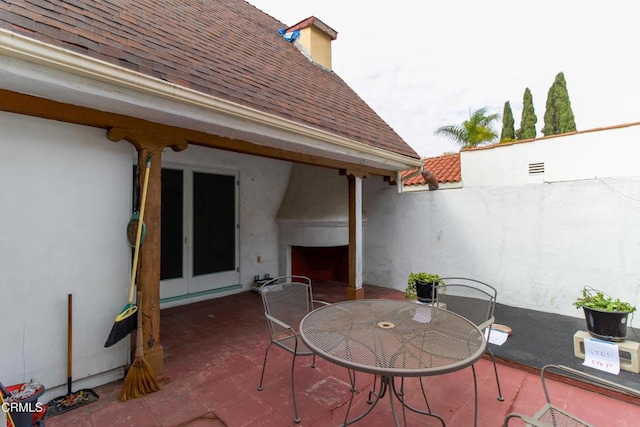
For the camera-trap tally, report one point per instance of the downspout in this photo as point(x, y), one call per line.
point(400, 179)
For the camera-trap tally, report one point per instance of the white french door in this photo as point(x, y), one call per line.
point(199, 231)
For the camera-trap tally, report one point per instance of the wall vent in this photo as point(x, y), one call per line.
point(536, 168)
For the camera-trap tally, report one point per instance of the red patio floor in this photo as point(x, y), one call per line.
point(213, 359)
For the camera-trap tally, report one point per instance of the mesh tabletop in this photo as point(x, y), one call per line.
point(389, 337)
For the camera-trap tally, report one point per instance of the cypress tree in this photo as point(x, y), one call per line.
point(508, 131)
point(558, 117)
point(529, 119)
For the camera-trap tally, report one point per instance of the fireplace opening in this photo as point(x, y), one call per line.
point(330, 263)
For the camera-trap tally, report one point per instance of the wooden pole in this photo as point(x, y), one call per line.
point(355, 290)
point(149, 264)
point(149, 269)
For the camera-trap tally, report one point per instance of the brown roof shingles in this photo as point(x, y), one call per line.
point(224, 48)
point(446, 168)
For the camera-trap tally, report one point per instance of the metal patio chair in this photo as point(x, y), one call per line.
point(286, 300)
point(474, 300)
point(552, 416)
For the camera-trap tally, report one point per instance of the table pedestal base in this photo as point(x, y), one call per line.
point(387, 383)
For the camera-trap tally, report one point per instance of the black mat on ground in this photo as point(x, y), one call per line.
point(541, 338)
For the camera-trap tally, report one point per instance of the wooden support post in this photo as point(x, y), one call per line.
point(149, 265)
point(355, 290)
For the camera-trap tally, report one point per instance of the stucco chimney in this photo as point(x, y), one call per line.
point(315, 40)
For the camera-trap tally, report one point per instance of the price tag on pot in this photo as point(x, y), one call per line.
point(602, 355)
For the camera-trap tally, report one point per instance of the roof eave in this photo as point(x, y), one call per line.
point(266, 127)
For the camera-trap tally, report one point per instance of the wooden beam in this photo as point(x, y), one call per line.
point(19, 103)
point(357, 172)
point(145, 141)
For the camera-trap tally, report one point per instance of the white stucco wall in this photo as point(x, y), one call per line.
point(65, 200)
point(64, 197)
point(315, 196)
point(314, 211)
point(539, 244)
point(263, 183)
point(598, 154)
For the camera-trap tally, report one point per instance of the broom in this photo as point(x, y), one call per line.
point(6, 419)
point(125, 322)
point(140, 379)
point(71, 400)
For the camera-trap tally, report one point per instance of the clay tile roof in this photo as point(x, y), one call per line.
point(224, 48)
point(446, 168)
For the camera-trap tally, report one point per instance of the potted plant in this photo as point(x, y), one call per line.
point(606, 317)
point(423, 286)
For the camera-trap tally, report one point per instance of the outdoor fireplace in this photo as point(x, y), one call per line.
point(329, 263)
point(314, 224)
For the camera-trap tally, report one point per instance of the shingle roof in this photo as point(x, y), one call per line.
point(224, 48)
point(446, 168)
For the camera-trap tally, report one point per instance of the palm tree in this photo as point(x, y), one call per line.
point(473, 132)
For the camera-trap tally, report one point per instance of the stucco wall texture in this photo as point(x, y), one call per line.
point(537, 239)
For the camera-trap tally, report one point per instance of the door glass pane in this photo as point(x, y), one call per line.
point(171, 229)
point(214, 223)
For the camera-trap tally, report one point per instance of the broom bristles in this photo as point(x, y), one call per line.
point(140, 380)
point(122, 328)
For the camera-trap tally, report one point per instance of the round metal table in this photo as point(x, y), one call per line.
point(392, 338)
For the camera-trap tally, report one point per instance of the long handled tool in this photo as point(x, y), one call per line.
point(71, 400)
point(5, 416)
point(140, 379)
point(126, 321)
point(132, 226)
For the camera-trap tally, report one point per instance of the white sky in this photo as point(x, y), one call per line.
point(424, 64)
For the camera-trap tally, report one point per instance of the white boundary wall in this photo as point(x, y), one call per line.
point(598, 154)
point(538, 242)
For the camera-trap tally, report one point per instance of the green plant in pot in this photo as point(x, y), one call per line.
point(606, 316)
point(423, 286)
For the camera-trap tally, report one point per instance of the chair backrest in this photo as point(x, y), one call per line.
point(470, 298)
point(288, 299)
point(582, 377)
point(551, 415)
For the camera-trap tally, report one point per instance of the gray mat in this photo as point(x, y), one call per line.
point(540, 338)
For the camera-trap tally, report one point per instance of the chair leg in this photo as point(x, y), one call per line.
point(475, 396)
point(296, 418)
point(495, 369)
point(508, 417)
point(264, 365)
point(372, 391)
point(313, 363)
point(352, 380)
point(424, 394)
